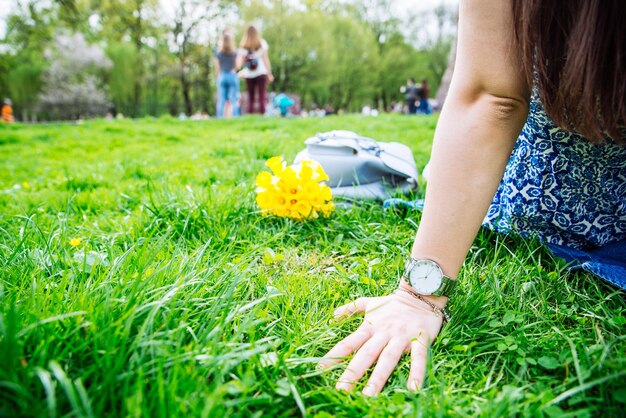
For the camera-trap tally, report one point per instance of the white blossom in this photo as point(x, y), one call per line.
point(72, 83)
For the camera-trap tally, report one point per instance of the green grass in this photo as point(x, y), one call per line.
point(175, 305)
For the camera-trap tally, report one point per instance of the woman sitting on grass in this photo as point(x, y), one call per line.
point(555, 69)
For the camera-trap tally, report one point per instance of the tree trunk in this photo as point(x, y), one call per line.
point(136, 36)
point(137, 97)
point(155, 84)
point(186, 86)
point(206, 84)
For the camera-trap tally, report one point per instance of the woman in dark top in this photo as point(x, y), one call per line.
point(226, 72)
point(423, 93)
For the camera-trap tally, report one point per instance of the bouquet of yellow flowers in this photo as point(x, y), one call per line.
point(298, 191)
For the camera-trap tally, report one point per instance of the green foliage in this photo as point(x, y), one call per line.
point(398, 63)
point(25, 80)
point(326, 51)
point(334, 56)
point(122, 75)
point(27, 35)
point(72, 85)
point(136, 21)
point(181, 300)
point(353, 71)
point(328, 58)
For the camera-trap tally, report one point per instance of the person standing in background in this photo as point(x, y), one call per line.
point(7, 111)
point(257, 69)
point(423, 93)
point(225, 62)
point(410, 94)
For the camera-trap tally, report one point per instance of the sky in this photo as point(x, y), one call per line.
point(421, 5)
point(400, 5)
point(6, 6)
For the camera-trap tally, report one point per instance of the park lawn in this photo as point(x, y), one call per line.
point(181, 300)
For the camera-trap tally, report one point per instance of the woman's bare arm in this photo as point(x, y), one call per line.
point(484, 112)
point(239, 61)
point(483, 115)
point(216, 65)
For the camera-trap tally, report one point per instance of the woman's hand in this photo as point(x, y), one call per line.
point(270, 77)
point(393, 325)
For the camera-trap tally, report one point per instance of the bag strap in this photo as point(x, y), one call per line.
point(363, 142)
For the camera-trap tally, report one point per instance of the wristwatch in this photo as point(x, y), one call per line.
point(427, 278)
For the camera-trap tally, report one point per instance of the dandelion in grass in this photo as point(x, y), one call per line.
point(75, 242)
point(298, 191)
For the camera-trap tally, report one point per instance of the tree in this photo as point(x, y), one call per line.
point(343, 52)
point(327, 57)
point(437, 42)
point(399, 61)
point(135, 19)
point(24, 80)
point(353, 66)
point(72, 88)
point(121, 80)
point(29, 29)
point(189, 18)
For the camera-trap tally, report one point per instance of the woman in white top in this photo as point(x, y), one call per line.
point(257, 69)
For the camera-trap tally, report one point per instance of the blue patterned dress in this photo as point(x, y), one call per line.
point(561, 188)
point(565, 191)
point(568, 193)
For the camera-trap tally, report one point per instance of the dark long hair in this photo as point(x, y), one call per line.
point(578, 49)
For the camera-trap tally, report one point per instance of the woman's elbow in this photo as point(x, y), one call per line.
point(505, 108)
point(502, 109)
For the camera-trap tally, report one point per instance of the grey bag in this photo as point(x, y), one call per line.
point(361, 168)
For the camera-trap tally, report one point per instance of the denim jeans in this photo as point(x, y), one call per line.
point(410, 104)
point(227, 89)
point(424, 107)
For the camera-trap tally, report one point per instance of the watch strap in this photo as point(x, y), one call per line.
point(408, 267)
point(446, 287)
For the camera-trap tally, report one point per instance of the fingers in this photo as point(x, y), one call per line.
point(419, 355)
point(345, 347)
point(356, 306)
point(362, 361)
point(387, 362)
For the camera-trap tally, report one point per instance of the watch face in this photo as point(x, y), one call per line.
point(425, 277)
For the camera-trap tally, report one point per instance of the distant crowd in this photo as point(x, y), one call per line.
point(250, 62)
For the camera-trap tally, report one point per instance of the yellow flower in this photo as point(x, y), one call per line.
point(306, 173)
point(302, 208)
point(295, 192)
point(320, 174)
point(275, 164)
point(264, 200)
point(75, 242)
point(326, 193)
point(264, 179)
point(290, 177)
point(25, 185)
point(327, 208)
